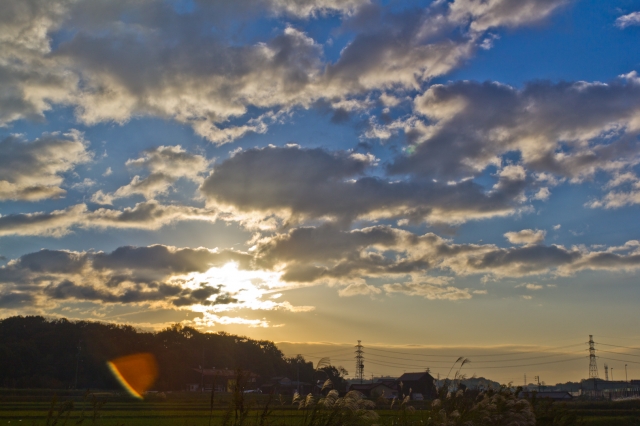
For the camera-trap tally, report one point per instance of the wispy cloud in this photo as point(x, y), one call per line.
point(625, 21)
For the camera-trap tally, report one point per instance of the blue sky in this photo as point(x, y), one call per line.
point(466, 170)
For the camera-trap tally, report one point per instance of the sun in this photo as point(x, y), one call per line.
point(246, 289)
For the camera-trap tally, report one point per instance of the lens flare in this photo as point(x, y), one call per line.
point(135, 372)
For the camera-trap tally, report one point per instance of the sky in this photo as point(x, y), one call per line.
point(434, 178)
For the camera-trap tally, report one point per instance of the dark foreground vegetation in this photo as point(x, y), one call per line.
point(466, 408)
point(39, 355)
point(58, 354)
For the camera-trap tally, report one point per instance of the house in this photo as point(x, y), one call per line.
point(285, 386)
point(223, 380)
point(553, 395)
point(376, 390)
point(419, 385)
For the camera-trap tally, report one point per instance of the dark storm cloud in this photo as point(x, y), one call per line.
point(314, 183)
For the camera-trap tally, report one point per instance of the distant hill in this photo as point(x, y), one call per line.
point(39, 353)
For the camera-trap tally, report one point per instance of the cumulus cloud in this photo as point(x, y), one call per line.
point(34, 170)
point(526, 236)
point(530, 286)
point(432, 288)
point(484, 15)
point(628, 20)
point(166, 164)
point(297, 183)
point(329, 254)
point(567, 130)
point(162, 276)
point(145, 215)
point(542, 194)
point(152, 64)
point(622, 190)
point(225, 280)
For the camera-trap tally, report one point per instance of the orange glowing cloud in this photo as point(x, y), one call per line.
point(135, 372)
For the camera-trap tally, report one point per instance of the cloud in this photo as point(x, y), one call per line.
point(530, 286)
point(359, 289)
point(145, 215)
point(33, 170)
point(167, 276)
point(166, 164)
point(628, 20)
point(526, 236)
point(225, 280)
point(15, 300)
point(296, 184)
point(334, 256)
point(151, 63)
point(626, 192)
point(482, 16)
point(568, 130)
point(429, 289)
point(156, 277)
point(543, 194)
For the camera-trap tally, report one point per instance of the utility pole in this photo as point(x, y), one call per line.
point(606, 372)
point(298, 373)
point(612, 375)
point(202, 373)
point(359, 362)
point(593, 366)
point(537, 379)
point(75, 383)
point(626, 378)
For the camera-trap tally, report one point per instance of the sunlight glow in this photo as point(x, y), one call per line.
point(246, 289)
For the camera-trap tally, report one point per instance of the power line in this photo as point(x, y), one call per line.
point(617, 353)
point(328, 355)
point(330, 350)
point(539, 363)
point(476, 355)
point(489, 361)
point(621, 360)
point(617, 346)
point(479, 367)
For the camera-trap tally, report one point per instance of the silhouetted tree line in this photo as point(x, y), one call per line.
point(39, 353)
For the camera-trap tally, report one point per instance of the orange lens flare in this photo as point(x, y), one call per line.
point(135, 372)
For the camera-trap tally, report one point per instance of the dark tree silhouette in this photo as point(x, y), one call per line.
point(40, 353)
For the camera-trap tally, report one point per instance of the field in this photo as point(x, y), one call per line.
point(194, 409)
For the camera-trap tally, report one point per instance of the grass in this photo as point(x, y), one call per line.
point(237, 409)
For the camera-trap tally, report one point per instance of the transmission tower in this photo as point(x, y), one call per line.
point(593, 366)
point(359, 362)
point(606, 372)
